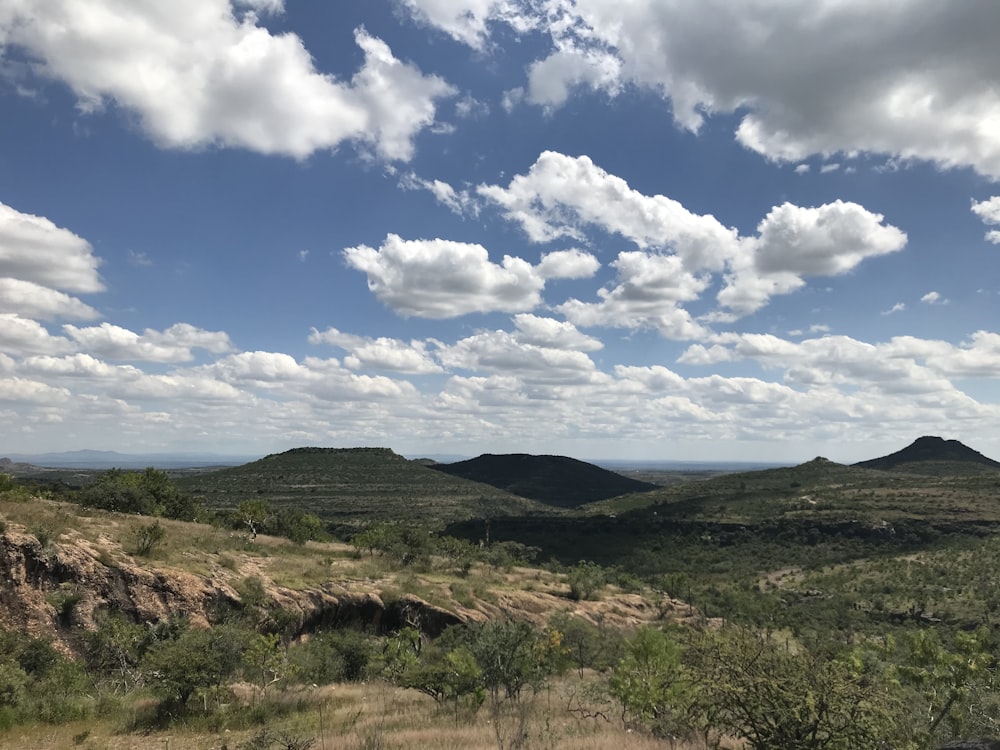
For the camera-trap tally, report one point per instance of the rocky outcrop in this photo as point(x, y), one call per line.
point(56, 590)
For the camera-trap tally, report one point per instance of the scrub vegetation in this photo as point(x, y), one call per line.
point(818, 606)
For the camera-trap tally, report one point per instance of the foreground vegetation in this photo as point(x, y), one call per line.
point(833, 607)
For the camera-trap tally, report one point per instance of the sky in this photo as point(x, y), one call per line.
point(656, 229)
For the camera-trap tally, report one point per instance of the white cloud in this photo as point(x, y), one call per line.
point(933, 298)
point(503, 353)
point(647, 294)
point(35, 301)
point(568, 264)
point(196, 75)
point(171, 345)
point(21, 336)
point(34, 249)
point(553, 334)
point(457, 201)
point(381, 353)
point(913, 79)
point(399, 100)
point(989, 211)
point(444, 279)
point(898, 307)
point(550, 81)
point(793, 242)
point(825, 241)
point(467, 21)
point(511, 98)
point(20, 390)
point(561, 194)
point(654, 379)
point(470, 107)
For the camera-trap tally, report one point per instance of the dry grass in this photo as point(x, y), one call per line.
point(229, 557)
point(371, 716)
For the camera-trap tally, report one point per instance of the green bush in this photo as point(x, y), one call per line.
point(146, 538)
point(585, 580)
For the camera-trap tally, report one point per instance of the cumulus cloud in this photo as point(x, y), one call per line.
point(36, 301)
point(911, 79)
point(647, 293)
point(34, 249)
point(560, 195)
point(501, 352)
point(270, 373)
point(21, 336)
point(172, 345)
point(989, 211)
point(444, 279)
point(793, 242)
point(563, 196)
point(381, 353)
point(550, 333)
point(198, 75)
point(933, 298)
point(467, 20)
point(568, 264)
point(901, 366)
point(550, 81)
point(21, 390)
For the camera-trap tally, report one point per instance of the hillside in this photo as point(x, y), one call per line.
point(934, 456)
point(554, 480)
point(354, 485)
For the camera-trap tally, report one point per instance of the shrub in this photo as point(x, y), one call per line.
point(146, 538)
point(585, 580)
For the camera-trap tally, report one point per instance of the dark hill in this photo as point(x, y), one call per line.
point(934, 455)
point(351, 485)
point(553, 480)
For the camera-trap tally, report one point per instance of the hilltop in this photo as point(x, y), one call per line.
point(935, 456)
point(354, 485)
point(554, 480)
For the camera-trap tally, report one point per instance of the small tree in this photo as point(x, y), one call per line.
point(254, 514)
point(265, 663)
point(585, 580)
point(146, 538)
point(773, 696)
point(648, 682)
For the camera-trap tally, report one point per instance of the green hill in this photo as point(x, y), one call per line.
point(934, 456)
point(352, 485)
point(554, 480)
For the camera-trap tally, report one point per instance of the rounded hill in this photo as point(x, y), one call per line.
point(936, 456)
point(349, 485)
point(554, 480)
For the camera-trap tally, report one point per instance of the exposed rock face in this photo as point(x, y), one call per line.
point(55, 591)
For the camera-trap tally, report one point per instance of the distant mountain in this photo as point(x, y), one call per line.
point(355, 485)
point(936, 456)
point(554, 480)
point(91, 459)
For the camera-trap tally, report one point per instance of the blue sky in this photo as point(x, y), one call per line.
point(667, 229)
